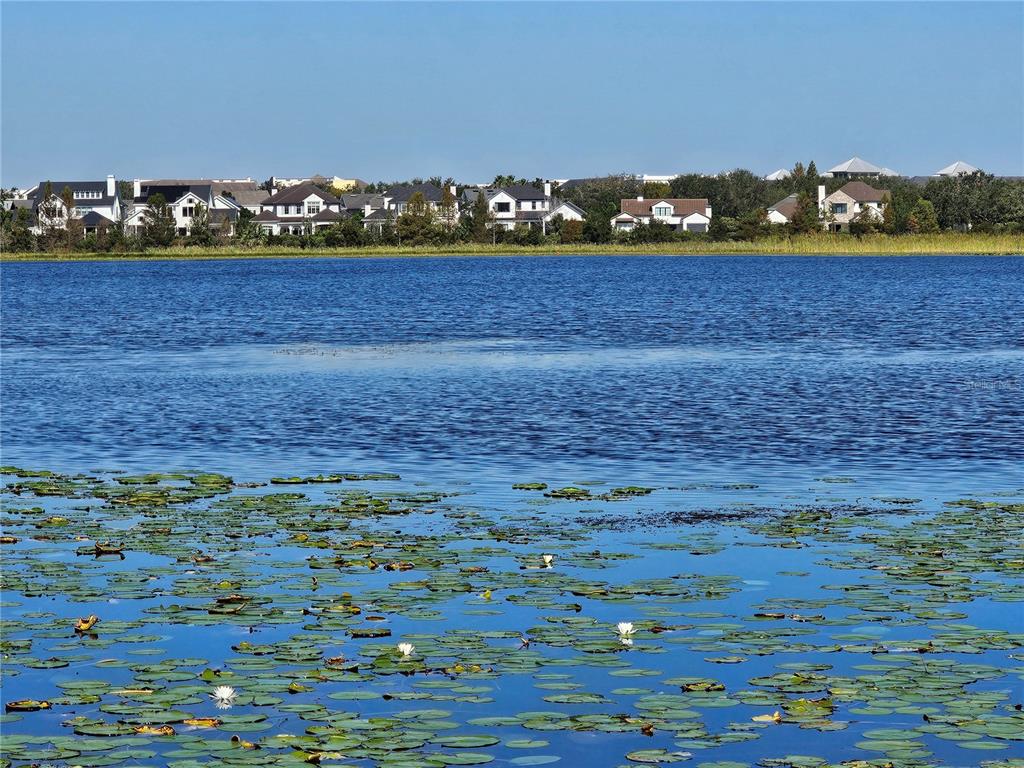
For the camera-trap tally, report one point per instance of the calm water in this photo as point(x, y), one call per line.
point(885, 377)
point(727, 365)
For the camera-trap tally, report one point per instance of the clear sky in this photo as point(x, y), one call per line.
point(388, 91)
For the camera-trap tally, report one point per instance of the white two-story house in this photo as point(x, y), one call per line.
point(96, 203)
point(298, 209)
point(183, 198)
point(523, 205)
point(848, 203)
point(682, 214)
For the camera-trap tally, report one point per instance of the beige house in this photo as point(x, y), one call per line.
point(849, 202)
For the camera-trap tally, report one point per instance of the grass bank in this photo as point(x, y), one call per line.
point(952, 243)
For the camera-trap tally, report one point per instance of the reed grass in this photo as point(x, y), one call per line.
point(824, 244)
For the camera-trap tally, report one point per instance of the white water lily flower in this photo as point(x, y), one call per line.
point(625, 628)
point(406, 649)
point(548, 560)
point(223, 696)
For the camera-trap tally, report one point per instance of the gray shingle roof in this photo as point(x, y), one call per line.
point(298, 193)
point(431, 193)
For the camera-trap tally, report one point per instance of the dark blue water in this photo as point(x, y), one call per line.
point(904, 376)
point(888, 367)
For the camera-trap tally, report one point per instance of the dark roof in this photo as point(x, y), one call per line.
point(327, 214)
point(381, 214)
point(864, 193)
point(524, 192)
point(56, 187)
point(173, 192)
point(298, 193)
point(265, 216)
point(787, 205)
point(93, 219)
point(681, 206)
point(431, 193)
point(356, 200)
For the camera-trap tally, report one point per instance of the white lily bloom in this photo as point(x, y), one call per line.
point(223, 696)
point(406, 649)
point(548, 560)
point(625, 628)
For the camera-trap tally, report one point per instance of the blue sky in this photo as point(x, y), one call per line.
point(396, 90)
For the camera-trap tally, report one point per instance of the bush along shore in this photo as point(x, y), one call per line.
point(823, 244)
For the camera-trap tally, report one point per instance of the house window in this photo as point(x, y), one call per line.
point(662, 210)
point(188, 211)
point(312, 209)
point(503, 207)
point(838, 207)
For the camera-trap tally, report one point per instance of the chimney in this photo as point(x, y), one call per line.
point(367, 209)
point(111, 185)
point(452, 190)
point(547, 189)
point(707, 211)
point(640, 197)
point(821, 196)
point(136, 188)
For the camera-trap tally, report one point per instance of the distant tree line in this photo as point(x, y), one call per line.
point(977, 202)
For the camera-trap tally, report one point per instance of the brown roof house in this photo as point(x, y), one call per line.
point(679, 213)
point(782, 212)
point(849, 202)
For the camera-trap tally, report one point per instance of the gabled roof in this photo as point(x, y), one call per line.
point(959, 168)
point(358, 200)
point(778, 175)
point(57, 187)
point(298, 193)
point(431, 193)
point(855, 165)
point(524, 192)
point(326, 214)
point(863, 193)
point(787, 205)
point(93, 219)
point(247, 197)
point(556, 204)
point(680, 206)
point(265, 216)
point(380, 214)
point(174, 192)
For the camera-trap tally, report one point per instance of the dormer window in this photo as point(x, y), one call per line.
point(312, 208)
point(87, 195)
point(663, 210)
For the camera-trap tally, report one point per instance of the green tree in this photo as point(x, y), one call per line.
point(416, 224)
point(157, 223)
point(806, 217)
point(481, 220)
point(924, 217)
point(571, 231)
point(200, 234)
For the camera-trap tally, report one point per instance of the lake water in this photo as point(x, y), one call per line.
point(800, 421)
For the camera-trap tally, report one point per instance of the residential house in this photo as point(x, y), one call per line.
point(298, 209)
point(396, 201)
point(849, 202)
point(102, 198)
point(778, 175)
point(523, 205)
point(683, 215)
point(328, 182)
point(184, 198)
point(782, 212)
point(855, 168)
point(959, 168)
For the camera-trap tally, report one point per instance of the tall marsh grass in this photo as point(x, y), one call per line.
point(824, 244)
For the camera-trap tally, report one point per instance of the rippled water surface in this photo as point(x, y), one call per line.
point(798, 430)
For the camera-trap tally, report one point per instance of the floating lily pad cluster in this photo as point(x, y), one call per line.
point(341, 618)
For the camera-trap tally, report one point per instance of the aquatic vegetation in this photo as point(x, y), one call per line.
point(310, 624)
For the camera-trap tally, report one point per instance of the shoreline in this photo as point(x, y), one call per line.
point(950, 244)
